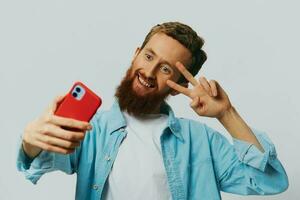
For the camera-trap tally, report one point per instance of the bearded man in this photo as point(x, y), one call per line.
point(139, 150)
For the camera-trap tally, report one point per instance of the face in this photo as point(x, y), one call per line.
point(144, 86)
point(153, 65)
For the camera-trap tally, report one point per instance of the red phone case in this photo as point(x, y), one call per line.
point(81, 109)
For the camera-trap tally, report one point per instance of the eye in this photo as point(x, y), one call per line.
point(166, 69)
point(148, 57)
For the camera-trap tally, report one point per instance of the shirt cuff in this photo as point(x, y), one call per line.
point(251, 155)
point(34, 168)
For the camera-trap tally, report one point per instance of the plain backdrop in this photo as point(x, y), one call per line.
point(252, 47)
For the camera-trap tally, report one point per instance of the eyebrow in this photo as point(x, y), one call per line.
point(164, 61)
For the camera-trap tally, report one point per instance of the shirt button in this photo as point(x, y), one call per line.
point(95, 187)
point(107, 158)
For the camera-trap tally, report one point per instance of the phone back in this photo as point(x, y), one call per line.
point(80, 103)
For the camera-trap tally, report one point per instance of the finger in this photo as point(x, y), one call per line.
point(195, 102)
point(58, 142)
point(213, 87)
point(178, 88)
point(59, 132)
point(205, 85)
point(69, 123)
point(53, 148)
point(198, 106)
point(53, 106)
point(186, 73)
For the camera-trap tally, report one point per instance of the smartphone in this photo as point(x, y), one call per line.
point(80, 103)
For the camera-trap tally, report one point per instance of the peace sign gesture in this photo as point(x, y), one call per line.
point(208, 97)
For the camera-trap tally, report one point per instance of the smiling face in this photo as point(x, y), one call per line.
point(153, 65)
point(144, 87)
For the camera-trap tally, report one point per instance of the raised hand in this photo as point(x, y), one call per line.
point(208, 97)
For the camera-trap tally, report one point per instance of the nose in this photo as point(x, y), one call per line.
point(150, 70)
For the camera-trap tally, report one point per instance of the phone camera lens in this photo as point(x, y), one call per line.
point(77, 89)
point(74, 94)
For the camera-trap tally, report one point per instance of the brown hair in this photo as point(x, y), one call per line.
point(188, 38)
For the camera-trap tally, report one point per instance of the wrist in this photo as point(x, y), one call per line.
point(30, 150)
point(228, 115)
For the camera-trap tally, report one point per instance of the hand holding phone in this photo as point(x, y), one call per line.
point(80, 103)
point(64, 124)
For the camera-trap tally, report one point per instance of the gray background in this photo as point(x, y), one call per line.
point(47, 45)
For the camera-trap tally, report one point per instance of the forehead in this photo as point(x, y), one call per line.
point(168, 49)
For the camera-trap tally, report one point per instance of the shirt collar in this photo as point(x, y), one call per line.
point(116, 119)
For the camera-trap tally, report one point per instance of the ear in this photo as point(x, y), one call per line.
point(175, 92)
point(136, 53)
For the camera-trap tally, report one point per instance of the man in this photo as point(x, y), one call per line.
point(139, 150)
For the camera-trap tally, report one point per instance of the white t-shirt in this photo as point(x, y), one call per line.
point(138, 171)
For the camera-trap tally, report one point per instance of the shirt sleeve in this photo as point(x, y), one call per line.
point(243, 169)
point(45, 162)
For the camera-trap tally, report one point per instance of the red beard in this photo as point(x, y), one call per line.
point(134, 103)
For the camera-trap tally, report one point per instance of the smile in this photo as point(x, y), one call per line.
point(144, 82)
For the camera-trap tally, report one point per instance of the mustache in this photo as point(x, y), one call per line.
point(150, 80)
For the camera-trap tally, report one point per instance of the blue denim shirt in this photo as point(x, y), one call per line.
point(199, 161)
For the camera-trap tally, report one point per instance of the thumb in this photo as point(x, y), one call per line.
point(56, 102)
point(195, 102)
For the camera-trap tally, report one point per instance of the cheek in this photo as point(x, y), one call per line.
point(134, 67)
point(163, 83)
point(138, 62)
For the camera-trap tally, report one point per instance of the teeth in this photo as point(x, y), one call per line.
point(144, 82)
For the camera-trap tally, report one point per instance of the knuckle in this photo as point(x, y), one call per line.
point(72, 124)
point(47, 148)
point(28, 128)
point(69, 144)
point(67, 137)
point(48, 118)
point(212, 82)
point(85, 125)
point(71, 137)
point(56, 98)
point(47, 140)
point(44, 129)
point(81, 135)
point(81, 126)
point(25, 138)
point(193, 94)
point(64, 151)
